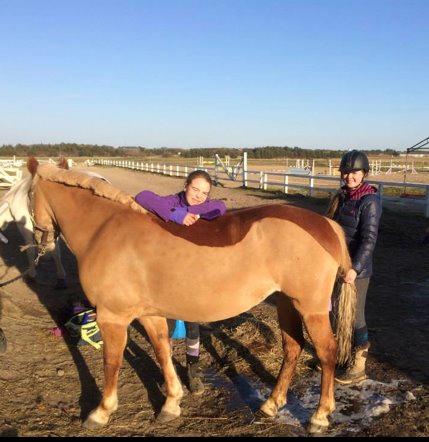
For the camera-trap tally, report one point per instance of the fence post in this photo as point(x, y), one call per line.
point(265, 181)
point(286, 182)
point(313, 169)
point(215, 169)
point(244, 169)
point(261, 179)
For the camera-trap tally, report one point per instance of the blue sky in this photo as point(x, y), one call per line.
point(206, 73)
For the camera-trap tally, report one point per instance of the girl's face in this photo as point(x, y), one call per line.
point(354, 179)
point(197, 191)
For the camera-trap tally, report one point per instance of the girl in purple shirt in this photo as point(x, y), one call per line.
point(186, 208)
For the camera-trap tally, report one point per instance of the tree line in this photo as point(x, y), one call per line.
point(94, 150)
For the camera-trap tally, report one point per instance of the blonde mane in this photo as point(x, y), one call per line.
point(99, 187)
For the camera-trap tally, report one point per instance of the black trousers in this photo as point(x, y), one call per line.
point(361, 330)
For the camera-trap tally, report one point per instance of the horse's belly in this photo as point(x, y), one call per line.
point(214, 301)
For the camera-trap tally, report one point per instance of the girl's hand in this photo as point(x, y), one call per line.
point(190, 219)
point(350, 276)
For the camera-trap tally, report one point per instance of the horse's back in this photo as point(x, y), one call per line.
point(235, 225)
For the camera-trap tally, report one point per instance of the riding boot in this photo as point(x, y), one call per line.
point(355, 371)
point(195, 376)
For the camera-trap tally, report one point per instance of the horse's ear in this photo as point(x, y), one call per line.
point(32, 165)
point(63, 164)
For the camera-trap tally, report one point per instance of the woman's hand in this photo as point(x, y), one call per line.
point(190, 219)
point(350, 276)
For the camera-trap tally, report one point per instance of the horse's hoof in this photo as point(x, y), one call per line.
point(165, 416)
point(91, 424)
point(269, 408)
point(317, 428)
point(61, 284)
point(259, 416)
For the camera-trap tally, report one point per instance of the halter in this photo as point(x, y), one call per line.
point(43, 236)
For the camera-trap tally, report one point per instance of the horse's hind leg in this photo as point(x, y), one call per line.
point(157, 329)
point(114, 340)
point(319, 329)
point(293, 341)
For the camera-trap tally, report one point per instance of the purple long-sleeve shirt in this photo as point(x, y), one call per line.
point(175, 207)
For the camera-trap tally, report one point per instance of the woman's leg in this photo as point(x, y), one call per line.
point(196, 385)
point(361, 330)
point(192, 342)
point(355, 371)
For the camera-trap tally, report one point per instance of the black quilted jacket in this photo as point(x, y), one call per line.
point(360, 220)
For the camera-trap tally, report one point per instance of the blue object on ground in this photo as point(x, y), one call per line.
point(179, 330)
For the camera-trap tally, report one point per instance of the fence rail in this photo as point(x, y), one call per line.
point(10, 172)
point(262, 180)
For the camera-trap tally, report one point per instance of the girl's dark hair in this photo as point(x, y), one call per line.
point(333, 205)
point(198, 174)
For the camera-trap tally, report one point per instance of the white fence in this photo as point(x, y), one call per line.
point(10, 172)
point(263, 179)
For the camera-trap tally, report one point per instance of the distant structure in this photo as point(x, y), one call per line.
point(421, 147)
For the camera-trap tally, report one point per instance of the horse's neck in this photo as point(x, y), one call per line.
point(78, 212)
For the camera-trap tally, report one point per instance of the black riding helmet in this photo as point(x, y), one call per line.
point(354, 160)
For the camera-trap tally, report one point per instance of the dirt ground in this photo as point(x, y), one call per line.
point(48, 384)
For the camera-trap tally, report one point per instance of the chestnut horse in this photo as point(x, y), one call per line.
point(132, 266)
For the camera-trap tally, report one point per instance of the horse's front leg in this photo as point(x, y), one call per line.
point(114, 340)
point(27, 233)
point(157, 329)
point(61, 273)
point(293, 341)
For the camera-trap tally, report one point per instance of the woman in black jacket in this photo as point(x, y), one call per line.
point(357, 208)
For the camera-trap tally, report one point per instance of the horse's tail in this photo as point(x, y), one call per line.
point(345, 301)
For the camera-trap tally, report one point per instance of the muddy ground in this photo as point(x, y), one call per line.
point(48, 384)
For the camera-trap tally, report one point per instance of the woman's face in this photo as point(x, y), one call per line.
point(353, 179)
point(197, 191)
